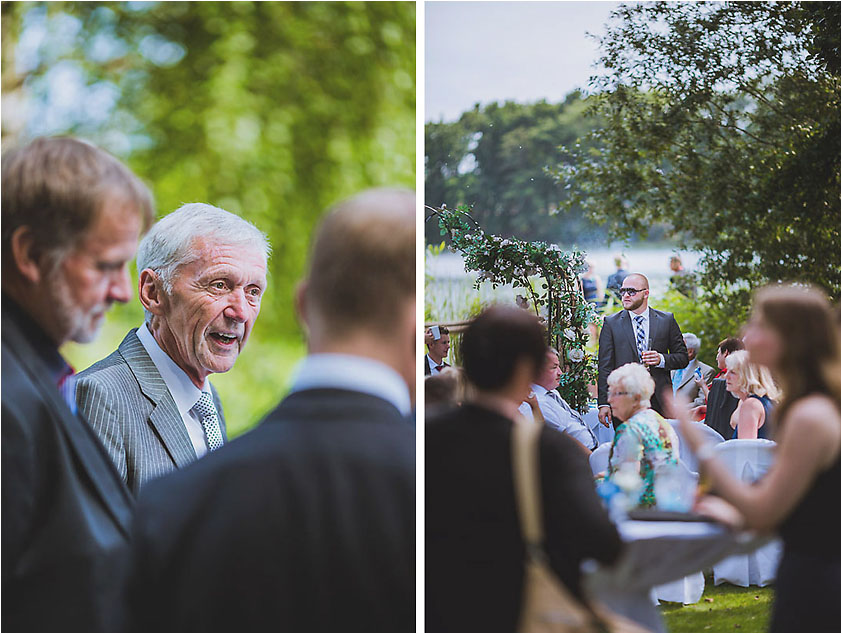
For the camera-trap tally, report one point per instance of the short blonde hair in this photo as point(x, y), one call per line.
point(635, 380)
point(752, 378)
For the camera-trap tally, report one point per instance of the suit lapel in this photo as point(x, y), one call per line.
point(628, 326)
point(100, 472)
point(174, 437)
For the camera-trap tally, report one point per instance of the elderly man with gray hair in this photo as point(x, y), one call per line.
point(202, 274)
point(688, 381)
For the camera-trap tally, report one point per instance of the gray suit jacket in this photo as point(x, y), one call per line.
point(130, 408)
point(688, 386)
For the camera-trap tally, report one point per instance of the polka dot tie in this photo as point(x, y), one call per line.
point(210, 423)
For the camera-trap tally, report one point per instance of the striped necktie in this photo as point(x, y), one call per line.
point(641, 336)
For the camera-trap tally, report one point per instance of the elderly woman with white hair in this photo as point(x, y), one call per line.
point(644, 437)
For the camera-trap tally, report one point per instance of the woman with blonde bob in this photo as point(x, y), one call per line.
point(795, 333)
point(752, 384)
point(645, 437)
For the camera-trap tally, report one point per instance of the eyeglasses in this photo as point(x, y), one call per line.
point(631, 291)
point(610, 393)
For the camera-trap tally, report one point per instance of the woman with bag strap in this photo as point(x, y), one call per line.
point(475, 550)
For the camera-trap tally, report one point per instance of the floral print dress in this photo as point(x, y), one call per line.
point(648, 439)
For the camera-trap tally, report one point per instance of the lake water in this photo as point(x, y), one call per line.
point(449, 291)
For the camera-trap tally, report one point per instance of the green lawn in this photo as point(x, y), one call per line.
point(723, 608)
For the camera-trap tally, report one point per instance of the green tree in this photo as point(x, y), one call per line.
point(495, 158)
point(271, 110)
point(721, 119)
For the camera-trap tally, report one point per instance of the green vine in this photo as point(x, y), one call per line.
point(512, 261)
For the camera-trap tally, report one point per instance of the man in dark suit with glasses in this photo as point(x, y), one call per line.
point(639, 334)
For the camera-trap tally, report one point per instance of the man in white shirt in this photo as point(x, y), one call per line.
point(202, 276)
point(557, 413)
point(437, 339)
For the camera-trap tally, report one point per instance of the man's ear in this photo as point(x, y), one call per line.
point(26, 255)
point(151, 292)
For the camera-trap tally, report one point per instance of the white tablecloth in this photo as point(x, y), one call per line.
point(656, 553)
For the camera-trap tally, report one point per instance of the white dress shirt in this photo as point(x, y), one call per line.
point(183, 391)
point(357, 374)
point(558, 414)
point(433, 365)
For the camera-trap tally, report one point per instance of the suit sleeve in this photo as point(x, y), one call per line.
point(605, 361)
point(19, 486)
point(99, 405)
point(677, 356)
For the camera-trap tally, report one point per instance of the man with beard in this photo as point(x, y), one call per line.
point(639, 334)
point(202, 273)
point(72, 215)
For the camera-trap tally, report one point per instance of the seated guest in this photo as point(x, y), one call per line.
point(442, 391)
point(437, 339)
point(202, 275)
point(307, 523)
point(719, 403)
point(474, 549)
point(644, 437)
point(687, 380)
point(554, 409)
point(753, 386)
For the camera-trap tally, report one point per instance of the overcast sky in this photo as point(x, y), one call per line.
point(494, 51)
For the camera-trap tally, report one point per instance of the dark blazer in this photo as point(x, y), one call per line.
point(306, 523)
point(65, 512)
point(474, 551)
point(618, 346)
point(128, 405)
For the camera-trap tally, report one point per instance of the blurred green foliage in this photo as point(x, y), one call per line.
point(271, 110)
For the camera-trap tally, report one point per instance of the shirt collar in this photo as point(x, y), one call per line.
point(644, 314)
point(183, 391)
point(44, 347)
point(353, 373)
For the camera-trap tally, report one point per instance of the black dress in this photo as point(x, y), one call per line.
point(474, 550)
point(807, 589)
point(763, 430)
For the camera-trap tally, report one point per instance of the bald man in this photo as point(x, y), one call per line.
point(307, 523)
point(639, 334)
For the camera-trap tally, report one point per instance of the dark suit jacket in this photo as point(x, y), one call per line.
point(720, 407)
point(128, 405)
point(306, 523)
point(474, 550)
point(65, 513)
point(618, 346)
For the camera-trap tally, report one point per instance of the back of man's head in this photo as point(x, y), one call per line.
point(362, 266)
point(57, 186)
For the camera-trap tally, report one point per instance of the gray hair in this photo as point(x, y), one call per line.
point(692, 341)
point(636, 380)
point(169, 243)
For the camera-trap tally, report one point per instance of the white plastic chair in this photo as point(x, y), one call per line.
point(748, 460)
point(599, 458)
point(684, 451)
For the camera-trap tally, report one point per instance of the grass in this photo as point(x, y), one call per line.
point(723, 608)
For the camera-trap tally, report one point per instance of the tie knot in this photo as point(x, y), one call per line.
point(204, 407)
point(638, 318)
